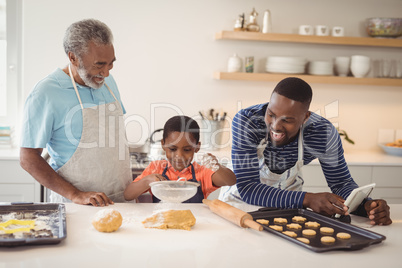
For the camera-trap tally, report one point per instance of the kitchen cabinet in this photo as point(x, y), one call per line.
point(16, 185)
point(387, 178)
point(311, 39)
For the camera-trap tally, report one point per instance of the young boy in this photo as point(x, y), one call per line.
point(181, 135)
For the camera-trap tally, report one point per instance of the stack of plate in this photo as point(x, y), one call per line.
point(288, 65)
point(320, 68)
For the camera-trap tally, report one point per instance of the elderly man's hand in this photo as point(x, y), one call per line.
point(96, 199)
point(378, 212)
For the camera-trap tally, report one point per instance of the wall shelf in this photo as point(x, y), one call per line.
point(310, 39)
point(309, 79)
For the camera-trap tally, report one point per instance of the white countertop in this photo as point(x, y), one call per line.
point(212, 242)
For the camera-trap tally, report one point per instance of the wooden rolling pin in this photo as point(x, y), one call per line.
point(230, 213)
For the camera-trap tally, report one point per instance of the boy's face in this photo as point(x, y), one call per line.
point(180, 148)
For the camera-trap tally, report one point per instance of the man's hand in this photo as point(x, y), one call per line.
point(378, 212)
point(325, 203)
point(95, 199)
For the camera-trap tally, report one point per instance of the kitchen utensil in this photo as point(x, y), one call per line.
point(384, 27)
point(155, 147)
point(360, 65)
point(211, 134)
point(391, 150)
point(338, 31)
point(360, 237)
point(235, 215)
point(40, 224)
point(306, 30)
point(174, 191)
point(342, 65)
point(321, 30)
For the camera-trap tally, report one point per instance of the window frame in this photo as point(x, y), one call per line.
point(13, 63)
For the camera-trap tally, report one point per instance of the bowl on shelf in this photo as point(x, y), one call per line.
point(397, 151)
point(384, 27)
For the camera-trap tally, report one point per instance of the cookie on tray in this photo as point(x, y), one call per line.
point(327, 240)
point(294, 226)
point(276, 228)
point(343, 236)
point(309, 233)
point(312, 225)
point(263, 221)
point(304, 240)
point(326, 230)
point(281, 221)
point(299, 219)
point(290, 233)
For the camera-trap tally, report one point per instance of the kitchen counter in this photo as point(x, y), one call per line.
point(212, 242)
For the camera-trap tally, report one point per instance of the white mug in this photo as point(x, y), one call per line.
point(338, 31)
point(306, 30)
point(321, 30)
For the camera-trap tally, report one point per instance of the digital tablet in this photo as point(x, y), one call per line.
point(357, 196)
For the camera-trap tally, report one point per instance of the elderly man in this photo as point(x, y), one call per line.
point(76, 113)
point(271, 143)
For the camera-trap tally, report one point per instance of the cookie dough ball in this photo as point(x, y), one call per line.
point(107, 220)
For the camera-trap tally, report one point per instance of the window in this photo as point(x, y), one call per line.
point(3, 56)
point(10, 60)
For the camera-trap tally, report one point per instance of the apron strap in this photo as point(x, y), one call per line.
point(75, 86)
point(300, 147)
point(76, 90)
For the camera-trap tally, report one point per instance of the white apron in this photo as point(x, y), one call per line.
point(291, 179)
point(101, 162)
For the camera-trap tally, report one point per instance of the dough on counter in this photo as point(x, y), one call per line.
point(107, 220)
point(171, 219)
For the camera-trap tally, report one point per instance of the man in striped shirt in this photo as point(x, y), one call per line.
point(271, 143)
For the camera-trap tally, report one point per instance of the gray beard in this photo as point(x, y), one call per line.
point(87, 78)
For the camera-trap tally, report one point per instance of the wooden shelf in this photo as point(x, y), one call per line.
point(310, 39)
point(309, 79)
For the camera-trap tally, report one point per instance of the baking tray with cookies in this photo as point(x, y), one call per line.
point(32, 224)
point(314, 231)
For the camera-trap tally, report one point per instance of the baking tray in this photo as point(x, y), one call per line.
point(360, 238)
point(52, 217)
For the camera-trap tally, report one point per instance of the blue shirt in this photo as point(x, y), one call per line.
point(320, 140)
point(52, 116)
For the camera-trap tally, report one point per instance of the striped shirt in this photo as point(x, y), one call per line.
point(320, 140)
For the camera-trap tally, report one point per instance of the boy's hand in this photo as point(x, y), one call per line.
point(210, 162)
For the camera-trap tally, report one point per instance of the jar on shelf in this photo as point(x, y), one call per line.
point(253, 26)
point(235, 64)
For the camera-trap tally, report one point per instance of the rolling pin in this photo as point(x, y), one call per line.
point(230, 213)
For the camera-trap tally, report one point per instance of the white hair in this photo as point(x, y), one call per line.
point(81, 33)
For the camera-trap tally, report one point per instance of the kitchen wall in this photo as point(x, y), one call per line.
point(166, 55)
